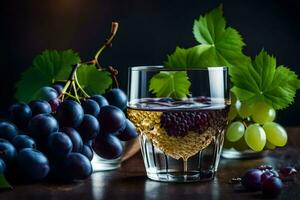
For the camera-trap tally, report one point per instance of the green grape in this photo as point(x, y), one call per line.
point(270, 146)
point(235, 131)
point(232, 112)
point(276, 134)
point(263, 113)
point(255, 137)
point(244, 109)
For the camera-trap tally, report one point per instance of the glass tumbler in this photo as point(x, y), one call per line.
point(180, 115)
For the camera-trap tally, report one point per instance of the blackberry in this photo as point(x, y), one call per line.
point(179, 123)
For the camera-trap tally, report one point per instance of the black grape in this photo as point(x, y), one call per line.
point(47, 93)
point(32, 164)
point(272, 187)
point(89, 128)
point(20, 114)
point(23, 141)
point(112, 119)
point(40, 107)
point(89, 142)
point(101, 100)
point(69, 114)
point(58, 87)
point(90, 107)
point(8, 151)
point(117, 97)
point(42, 125)
point(87, 151)
point(7, 130)
point(287, 171)
point(77, 166)
point(252, 179)
point(54, 103)
point(2, 166)
point(108, 146)
point(129, 132)
point(75, 138)
point(59, 145)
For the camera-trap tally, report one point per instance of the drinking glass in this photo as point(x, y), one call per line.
point(180, 138)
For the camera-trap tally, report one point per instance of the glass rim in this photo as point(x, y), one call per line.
point(163, 68)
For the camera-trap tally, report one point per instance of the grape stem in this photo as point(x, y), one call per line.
point(108, 42)
point(72, 83)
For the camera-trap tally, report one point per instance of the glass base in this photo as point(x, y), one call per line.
point(200, 167)
point(99, 164)
point(246, 154)
point(190, 176)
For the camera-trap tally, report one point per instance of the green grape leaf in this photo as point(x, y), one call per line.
point(3, 183)
point(48, 67)
point(173, 84)
point(263, 81)
point(92, 80)
point(219, 46)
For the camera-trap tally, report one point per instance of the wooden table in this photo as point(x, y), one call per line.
point(130, 182)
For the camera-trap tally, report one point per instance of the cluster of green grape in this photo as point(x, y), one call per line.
point(251, 126)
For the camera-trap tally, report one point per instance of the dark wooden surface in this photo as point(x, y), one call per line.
point(130, 182)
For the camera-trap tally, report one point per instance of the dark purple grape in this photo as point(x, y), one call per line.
point(89, 142)
point(274, 172)
point(101, 100)
point(90, 107)
point(266, 175)
point(58, 87)
point(59, 145)
point(69, 114)
point(272, 187)
point(20, 114)
point(75, 138)
point(252, 179)
point(87, 151)
point(46, 93)
point(23, 141)
point(54, 103)
point(108, 146)
point(117, 97)
point(32, 164)
point(8, 131)
point(40, 107)
point(264, 167)
point(7, 151)
point(129, 132)
point(2, 166)
point(77, 166)
point(89, 128)
point(112, 119)
point(42, 125)
point(287, 171)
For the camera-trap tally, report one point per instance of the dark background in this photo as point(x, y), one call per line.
point(149, 30)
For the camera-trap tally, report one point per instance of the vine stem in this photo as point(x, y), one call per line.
point(108, 42)
point(72, 82)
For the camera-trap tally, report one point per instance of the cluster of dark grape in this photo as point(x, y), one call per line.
point(51, 138)
point(267, 179)
point(179, 123)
